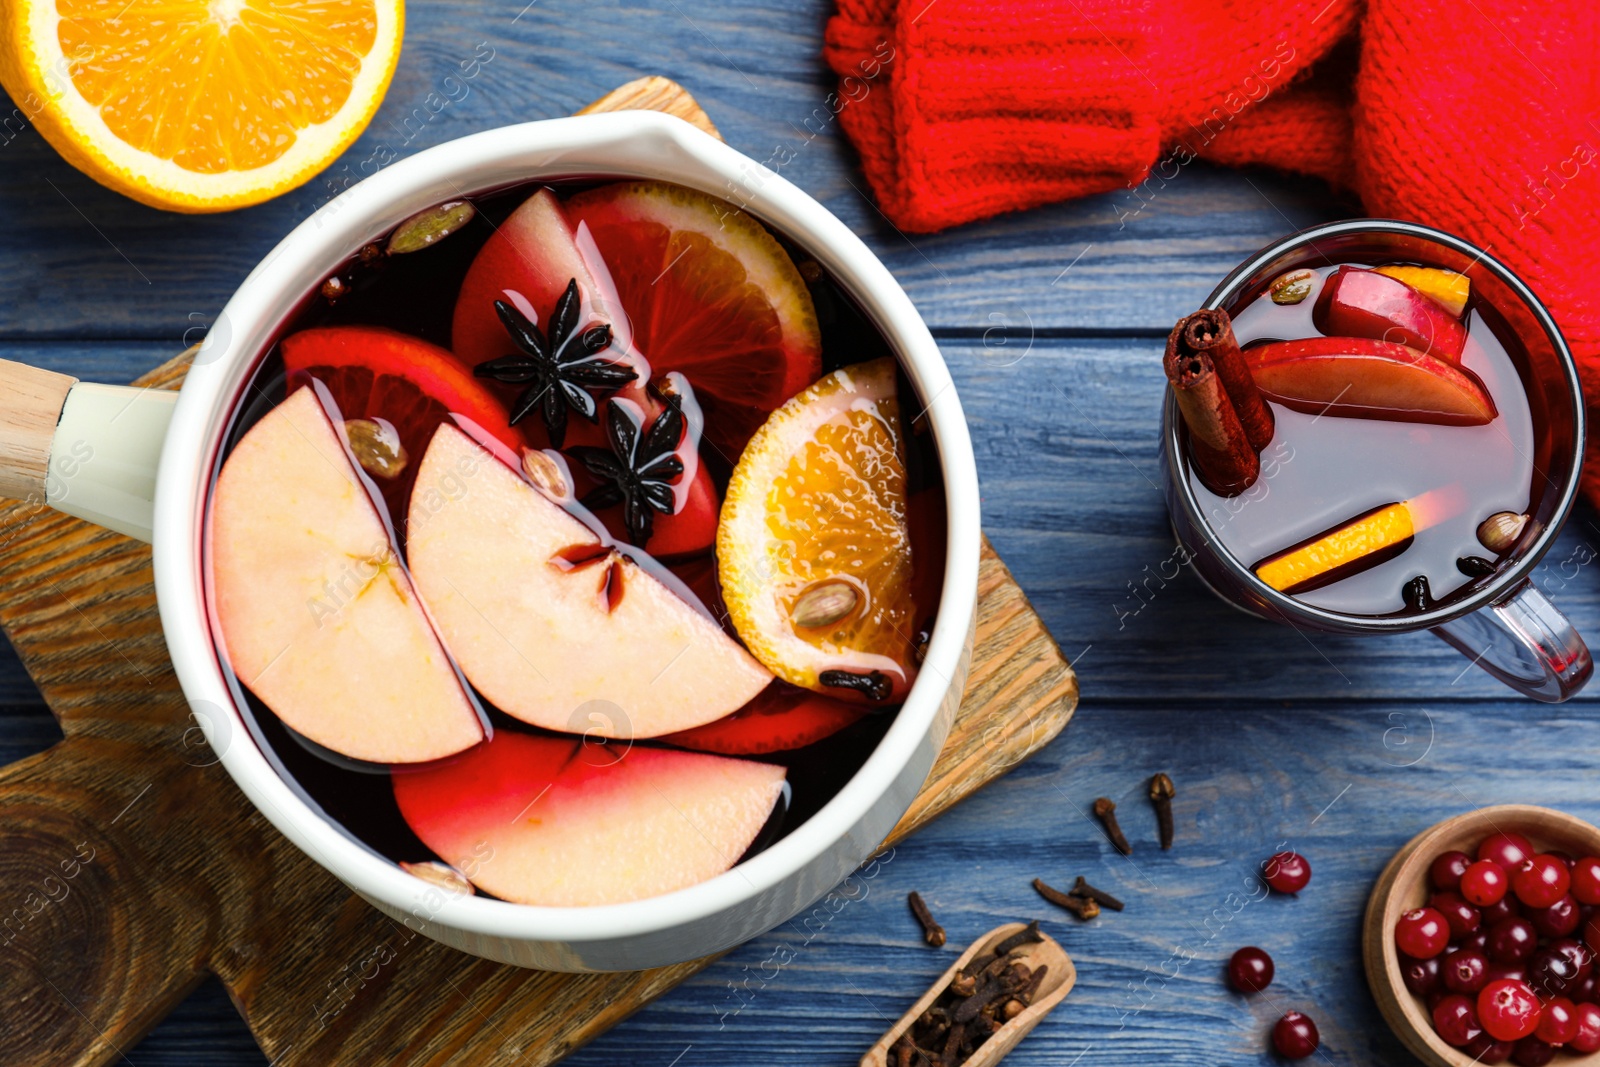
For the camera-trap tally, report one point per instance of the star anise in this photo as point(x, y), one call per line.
point(638, 469)
point(564, 372)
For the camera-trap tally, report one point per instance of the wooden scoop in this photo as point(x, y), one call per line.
point(1058, 982)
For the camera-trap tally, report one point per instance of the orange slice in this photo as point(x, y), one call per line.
point(710, 293)
point(1360, 541)
point(1365, 541)
point(199, 105)
point(813, 550)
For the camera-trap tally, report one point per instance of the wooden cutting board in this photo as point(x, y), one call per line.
point(131, 865)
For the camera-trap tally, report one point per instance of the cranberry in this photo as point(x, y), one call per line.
point(1558, 1022)
point(1587, 1038)
point(1485, 883)
point(1295, 1036)
point(1585, 879)
point(1558, 920)
point(1287, 872)
point(1508, 1009)
point(1421, 933)
point(1581, 955)
point(1512, 941)
point(1508, 908)
point(1541, 881)
point(1445, 874)
point(1508, 850)
point(1462, 917)
point(1531, 1052)
point(1456, 1020)
point(1591, 933)
point(1564, 857)
point(1485, 1049)
point(1587, 990)
point(1464, 971)
point(1551, 973)
point(1477, 941)
point(1250, 970)
point(1420, 976)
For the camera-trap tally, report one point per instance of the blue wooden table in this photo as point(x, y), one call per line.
point(1052, 322)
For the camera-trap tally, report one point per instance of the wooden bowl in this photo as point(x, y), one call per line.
point(1057, 983)
point(1404, 885)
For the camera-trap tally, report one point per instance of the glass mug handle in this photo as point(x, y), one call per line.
point(1526, 642)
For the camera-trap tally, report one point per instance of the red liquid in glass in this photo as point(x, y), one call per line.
point(1320, 471)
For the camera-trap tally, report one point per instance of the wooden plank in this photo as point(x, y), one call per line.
point(81, 261)
point(196, 880)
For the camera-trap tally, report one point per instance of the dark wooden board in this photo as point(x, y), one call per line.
point(139, 867)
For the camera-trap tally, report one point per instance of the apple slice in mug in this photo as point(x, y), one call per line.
point(318, 616)
point(549, 622)
point(563, 822)
point(1357, 377)
point(1363, 303)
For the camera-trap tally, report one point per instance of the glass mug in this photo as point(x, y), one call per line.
point(1507, 627)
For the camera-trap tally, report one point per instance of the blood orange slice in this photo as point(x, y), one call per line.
point(709, 292)
point(374, 373)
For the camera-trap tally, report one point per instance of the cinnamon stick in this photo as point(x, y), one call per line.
point(1218, 446)
point(1211, 331)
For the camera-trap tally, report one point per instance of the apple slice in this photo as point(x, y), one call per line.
point(1363, 303)
point(1360, 378)
point(561, 822)
point(1448, 287)
point(546, 619)
point(783, 717)
point(528, 262)
point(318, 616)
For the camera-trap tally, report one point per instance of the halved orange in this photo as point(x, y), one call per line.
point(813, 547)
point(199, 105)
point(709, 292)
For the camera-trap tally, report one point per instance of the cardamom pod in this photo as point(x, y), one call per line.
point(430, 227)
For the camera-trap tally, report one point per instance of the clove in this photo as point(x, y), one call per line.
point(932, 932)
point(1082, 907)
point(1082, 888)
point(1417, 595)
point(1161, 794)
point(991, 990)
point(1028, 935)
point(1106, 812)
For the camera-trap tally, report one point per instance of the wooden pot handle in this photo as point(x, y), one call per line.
point(30, 406)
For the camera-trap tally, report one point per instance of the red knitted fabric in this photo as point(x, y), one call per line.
point(1482, 119)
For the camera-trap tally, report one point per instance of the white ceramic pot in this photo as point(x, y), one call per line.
point(124, 431)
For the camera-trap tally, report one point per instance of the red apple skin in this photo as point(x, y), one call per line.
point(532, 253)
point(783, 717)
point(1358, 377)
point(1364, 303)
point(570, 822)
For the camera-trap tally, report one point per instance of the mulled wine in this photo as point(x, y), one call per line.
point(574, 542)
point(1360, 435)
